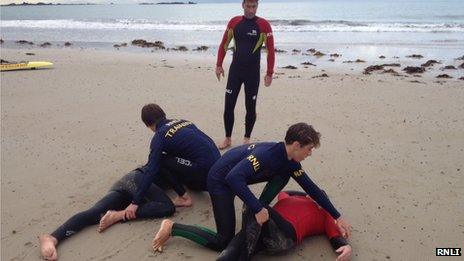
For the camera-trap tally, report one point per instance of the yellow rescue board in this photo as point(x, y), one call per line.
point(24, 65)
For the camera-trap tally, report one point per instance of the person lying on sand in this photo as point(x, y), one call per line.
point(110, 210)
point(294, 217)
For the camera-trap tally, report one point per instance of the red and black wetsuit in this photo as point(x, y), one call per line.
point(295, 216)
point(308, 218)
point(249, 36)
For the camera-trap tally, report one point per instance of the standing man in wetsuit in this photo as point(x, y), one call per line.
point(249, 33)
point(249, 164)
point(180, 154)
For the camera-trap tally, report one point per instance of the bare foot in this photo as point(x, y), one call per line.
point(48, 247)
point(109, 219)
point(225, 144)
point(246, 140)
point(163, 235)
point(184, 201)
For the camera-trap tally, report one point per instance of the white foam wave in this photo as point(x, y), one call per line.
point(331, 26)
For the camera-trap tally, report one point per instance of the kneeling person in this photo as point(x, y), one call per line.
point(180, 154)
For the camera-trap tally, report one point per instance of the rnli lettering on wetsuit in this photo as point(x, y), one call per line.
point(262, 163)
point(254, 161)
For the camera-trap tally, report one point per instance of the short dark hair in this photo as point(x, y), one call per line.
point(303, 133)
point(249, 1)
point(152, 114)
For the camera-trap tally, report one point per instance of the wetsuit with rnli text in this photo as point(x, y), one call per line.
point(256, 163)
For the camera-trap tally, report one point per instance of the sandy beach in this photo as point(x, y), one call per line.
point(391, 157)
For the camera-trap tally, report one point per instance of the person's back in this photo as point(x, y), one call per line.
point(180, 154)
point(305, 215)
point(181, 138)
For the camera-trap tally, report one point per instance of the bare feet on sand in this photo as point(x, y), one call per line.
point(163, 235)
point(184, 201)
point(246, 140)
point(109, 219)
point(225, 144)
point(48, 247)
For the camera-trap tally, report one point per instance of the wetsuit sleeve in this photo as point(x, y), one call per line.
point(237, 180)
point(226, 38)
point(151, 168)
point(270, 48)
point(332, 232)
point(315, 192)
point(272, 188)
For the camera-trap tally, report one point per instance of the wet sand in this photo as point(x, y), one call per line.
point(391, 154)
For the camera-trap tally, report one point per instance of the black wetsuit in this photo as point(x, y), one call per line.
point(249, 36)
point(155, 204)
point(180, 154)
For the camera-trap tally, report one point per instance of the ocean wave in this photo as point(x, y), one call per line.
point(278, 25)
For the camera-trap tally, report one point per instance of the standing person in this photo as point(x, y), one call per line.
point(243, 165)
point(180, 154)
point(249, 32)
point(295, 216)
point(110, 210)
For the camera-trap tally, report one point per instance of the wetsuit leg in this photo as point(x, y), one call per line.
point(158, 204)
point(251, 83)
point(234, 82)
point(273, 187)
point(112, 201)
point(236, 250)
point(224, 215)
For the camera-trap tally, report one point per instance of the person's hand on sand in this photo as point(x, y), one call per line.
point(48, 247)
point(130, 211)
point(344, 227)
point(262, 216)
point(345, 253)
point(267, 80)
point(219, 72)
point(183, 201)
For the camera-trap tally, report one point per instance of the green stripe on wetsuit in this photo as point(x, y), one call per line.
point(272, 188)
point(230, 36)
point(261, 40)
point(200, 235)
